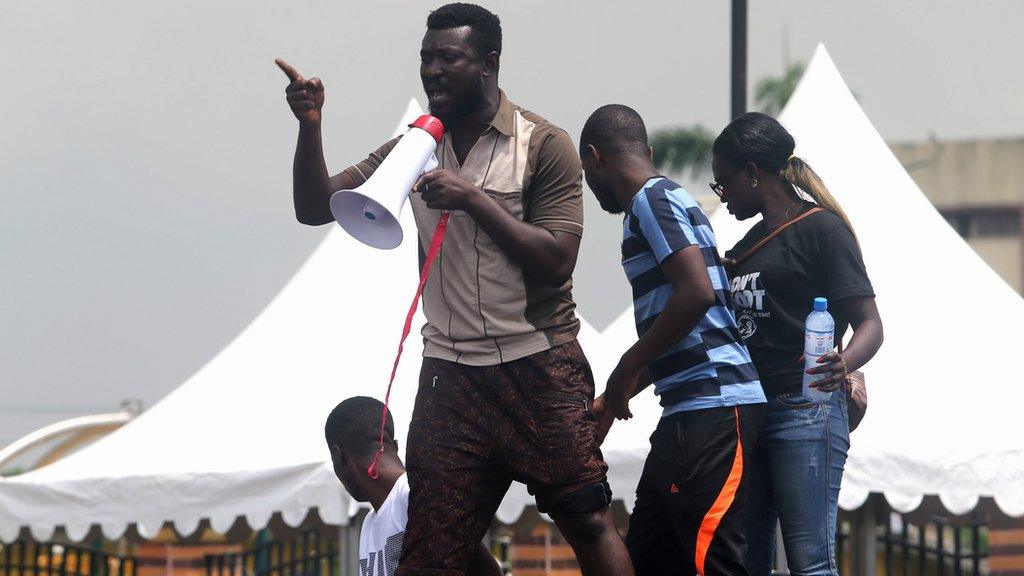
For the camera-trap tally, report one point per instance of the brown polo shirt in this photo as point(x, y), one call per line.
point(481, 308)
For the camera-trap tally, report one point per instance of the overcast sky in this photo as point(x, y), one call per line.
point(145, 149)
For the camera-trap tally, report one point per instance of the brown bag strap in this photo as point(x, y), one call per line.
point(774, 233)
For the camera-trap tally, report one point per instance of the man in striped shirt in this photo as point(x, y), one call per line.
point(688, 515)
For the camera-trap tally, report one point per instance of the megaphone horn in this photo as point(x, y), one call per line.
point(370, 212)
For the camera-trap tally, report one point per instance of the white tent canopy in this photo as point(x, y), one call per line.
point(945, 397)
point(243, 436)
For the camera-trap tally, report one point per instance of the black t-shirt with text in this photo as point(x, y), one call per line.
point(774, 290)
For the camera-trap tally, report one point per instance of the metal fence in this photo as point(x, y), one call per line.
point(935, 547)
point(309, 554)
point(932, 547)
point(31, 559)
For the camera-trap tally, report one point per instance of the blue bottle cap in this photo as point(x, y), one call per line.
point(820, 304)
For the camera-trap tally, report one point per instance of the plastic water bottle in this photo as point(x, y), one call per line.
point(819, 336)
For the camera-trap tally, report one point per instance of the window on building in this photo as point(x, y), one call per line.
point(993, 223)
point(959, 222)
point(990, 225)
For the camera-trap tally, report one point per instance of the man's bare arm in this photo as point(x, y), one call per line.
point(312, 185)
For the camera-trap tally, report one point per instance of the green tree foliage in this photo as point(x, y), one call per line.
point(681, 149)
point(688, 148)
point(772, 93)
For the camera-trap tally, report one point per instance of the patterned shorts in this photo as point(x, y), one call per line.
point(475, 429)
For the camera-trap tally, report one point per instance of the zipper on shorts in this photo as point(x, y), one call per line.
point(566, 397)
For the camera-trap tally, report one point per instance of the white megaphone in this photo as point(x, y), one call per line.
point(370, 212)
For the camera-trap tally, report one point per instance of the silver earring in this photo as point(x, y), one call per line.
point(753, 182)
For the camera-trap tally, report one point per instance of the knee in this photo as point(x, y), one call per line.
point(583, 515)
point(585, 527)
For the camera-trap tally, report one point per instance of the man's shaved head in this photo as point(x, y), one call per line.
point(615, 129)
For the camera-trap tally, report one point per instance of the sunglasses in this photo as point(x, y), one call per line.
point(718, 187)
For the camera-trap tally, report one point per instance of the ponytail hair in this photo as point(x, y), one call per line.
point(803, 178)
point(760, 139)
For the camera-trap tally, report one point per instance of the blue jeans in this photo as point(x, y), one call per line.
point(797, 469)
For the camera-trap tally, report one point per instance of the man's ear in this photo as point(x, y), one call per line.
point(337, 454)
point(650, 152)
point(594, 154)
point(752, 170)
point(491, 63)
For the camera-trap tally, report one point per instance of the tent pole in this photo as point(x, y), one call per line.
point(739, 58)
point(863, 546)
point(348, 549)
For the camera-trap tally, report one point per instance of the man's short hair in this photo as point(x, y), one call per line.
point(354, 425)
point(615, 128)
point(485, 36)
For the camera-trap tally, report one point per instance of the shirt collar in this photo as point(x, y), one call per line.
point(504, 118)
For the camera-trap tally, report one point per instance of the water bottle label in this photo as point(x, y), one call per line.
point(818, 343)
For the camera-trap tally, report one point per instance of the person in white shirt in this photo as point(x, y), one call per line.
point(353, 437)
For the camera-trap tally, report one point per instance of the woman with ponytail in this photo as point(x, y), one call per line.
point(801, 451)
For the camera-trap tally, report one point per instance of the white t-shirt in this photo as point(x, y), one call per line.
point(380, 540)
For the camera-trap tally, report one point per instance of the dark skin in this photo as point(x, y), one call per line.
point(615, 178)
point(351, 471)
point(605, 417)
point(747, 191)
point(462, 89)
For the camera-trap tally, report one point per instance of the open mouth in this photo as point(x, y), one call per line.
point(437, 96)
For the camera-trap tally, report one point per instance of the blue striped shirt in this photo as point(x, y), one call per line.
point(709, 367)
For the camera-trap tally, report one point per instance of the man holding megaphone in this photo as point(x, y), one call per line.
point(505, 389)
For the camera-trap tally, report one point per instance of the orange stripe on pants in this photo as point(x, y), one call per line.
point(725, 499)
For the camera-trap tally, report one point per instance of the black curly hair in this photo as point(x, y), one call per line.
point(354, 425)
point(485, 36)
point(615, 128)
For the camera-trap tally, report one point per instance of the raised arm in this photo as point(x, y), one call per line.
point(312, 185)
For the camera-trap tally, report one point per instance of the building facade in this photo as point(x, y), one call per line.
point(978, 186)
